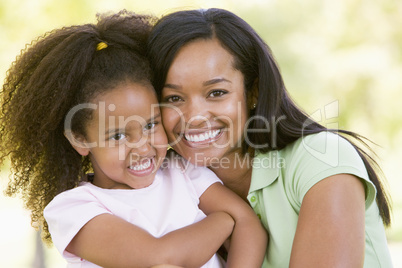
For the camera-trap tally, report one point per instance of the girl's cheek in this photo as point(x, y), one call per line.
point(160, 139)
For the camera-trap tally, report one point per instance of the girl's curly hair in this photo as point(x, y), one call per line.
point(53, 74)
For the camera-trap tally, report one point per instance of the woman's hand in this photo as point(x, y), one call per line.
point(249, 238)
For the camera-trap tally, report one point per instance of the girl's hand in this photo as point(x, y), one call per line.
point(110, 241)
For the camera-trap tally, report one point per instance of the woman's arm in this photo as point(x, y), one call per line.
point(110, 241)
point(330, 230)
point(249, 239)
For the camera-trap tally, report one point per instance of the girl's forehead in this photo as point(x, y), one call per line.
point(127, 100)
point(125, 91)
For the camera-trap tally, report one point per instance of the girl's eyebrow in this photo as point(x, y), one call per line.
point(119, 130)
point(206, 83)
point(112, 131)
point(154, 117)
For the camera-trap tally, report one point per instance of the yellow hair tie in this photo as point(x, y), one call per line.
point(101, 45)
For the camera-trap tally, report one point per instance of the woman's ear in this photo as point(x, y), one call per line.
point(78, 142)
point(252, 96)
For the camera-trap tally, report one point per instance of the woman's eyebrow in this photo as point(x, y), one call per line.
point(206, 83)
point(172, 86)
point(215, 81)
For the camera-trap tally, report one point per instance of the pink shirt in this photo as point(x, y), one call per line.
point(169, 203)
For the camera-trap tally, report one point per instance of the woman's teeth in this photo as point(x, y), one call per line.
point(142, 166)
point(202, 137)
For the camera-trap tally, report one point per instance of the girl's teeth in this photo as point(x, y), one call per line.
point(142, 166)
point(202, 137)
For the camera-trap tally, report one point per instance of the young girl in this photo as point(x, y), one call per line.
point(79, 101)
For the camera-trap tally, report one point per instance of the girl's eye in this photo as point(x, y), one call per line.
point(173, 98)
point(150, 125)
point(118, 136)
point(217, 93)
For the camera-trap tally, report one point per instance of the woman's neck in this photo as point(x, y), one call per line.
point(236, 175)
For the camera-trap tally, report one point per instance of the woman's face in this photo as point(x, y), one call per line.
point(203, 104)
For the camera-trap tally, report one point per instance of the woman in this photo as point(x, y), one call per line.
point(225, 106)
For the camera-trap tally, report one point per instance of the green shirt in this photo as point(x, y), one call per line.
point(280, 179)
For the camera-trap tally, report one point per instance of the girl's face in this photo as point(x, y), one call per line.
point(125, 139)
point(203, 104)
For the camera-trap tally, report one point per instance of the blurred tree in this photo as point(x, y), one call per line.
point(348, 52)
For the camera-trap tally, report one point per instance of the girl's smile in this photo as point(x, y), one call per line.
point(143, 168)
point(129, 137)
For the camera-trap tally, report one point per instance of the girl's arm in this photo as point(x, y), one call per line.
point(249, 238)
point(110, 241)
point(330, 230)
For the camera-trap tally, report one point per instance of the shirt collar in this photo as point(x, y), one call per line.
point(265, 170)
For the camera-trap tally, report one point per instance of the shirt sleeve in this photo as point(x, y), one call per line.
point(316, 157)
point(68, 212)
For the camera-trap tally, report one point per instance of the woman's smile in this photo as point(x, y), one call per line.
point(204, 106)
point(204, 137)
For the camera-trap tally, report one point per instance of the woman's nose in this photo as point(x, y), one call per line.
point(196, 114)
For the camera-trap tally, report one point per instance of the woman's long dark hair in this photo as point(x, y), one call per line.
point(254, 59)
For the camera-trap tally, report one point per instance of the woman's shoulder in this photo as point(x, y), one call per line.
point(324, 147)
point(318, 156)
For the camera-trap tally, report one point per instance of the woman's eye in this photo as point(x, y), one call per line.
point(217, 93)
point(173, 99)
point(118, 136)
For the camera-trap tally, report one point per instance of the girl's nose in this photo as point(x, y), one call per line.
point(142, 147)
